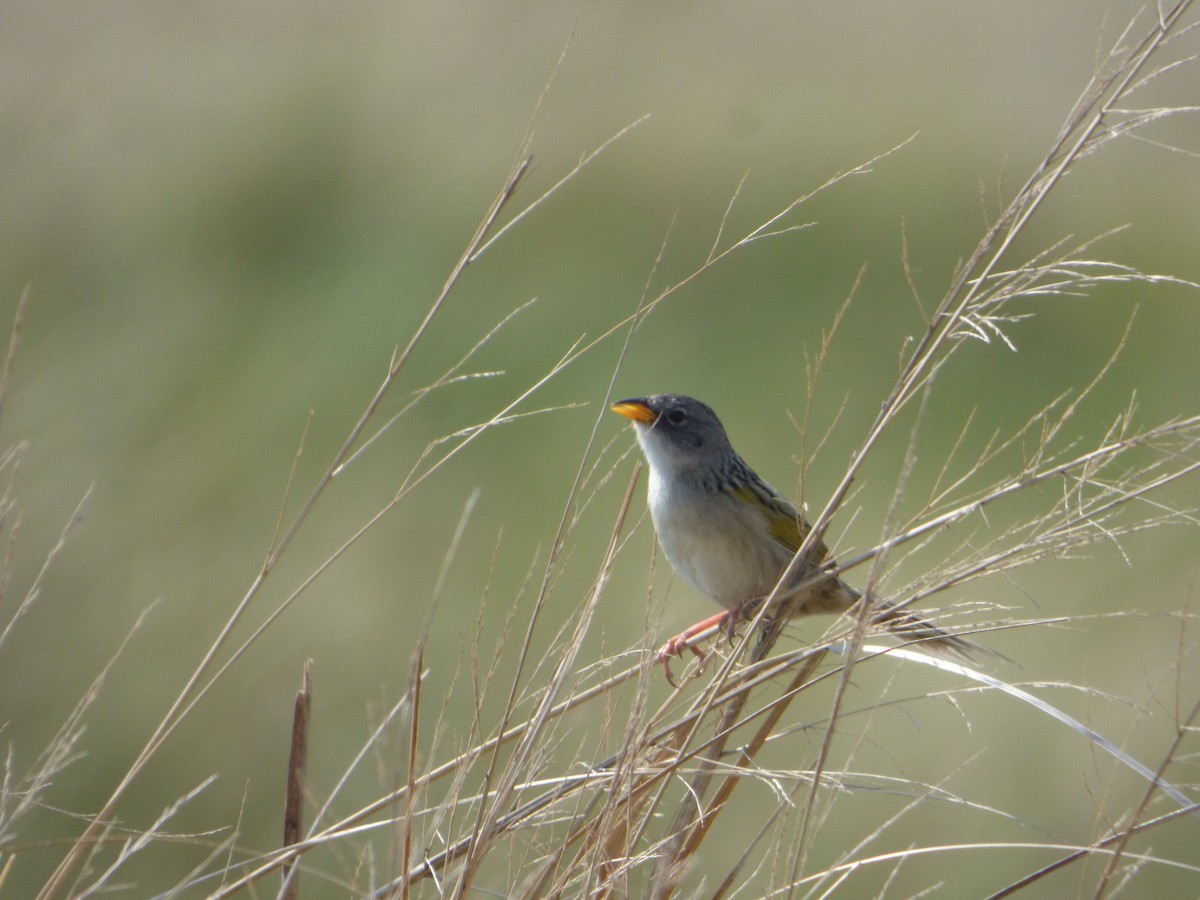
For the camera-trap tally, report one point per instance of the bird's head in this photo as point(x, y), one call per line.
point(677, 433)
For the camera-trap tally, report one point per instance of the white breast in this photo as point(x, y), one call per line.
point(717, 544)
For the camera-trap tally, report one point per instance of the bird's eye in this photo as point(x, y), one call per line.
point(676, 417)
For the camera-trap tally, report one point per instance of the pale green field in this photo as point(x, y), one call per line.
point(228, 216)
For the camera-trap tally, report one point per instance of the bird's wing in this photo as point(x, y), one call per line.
point(785, 523)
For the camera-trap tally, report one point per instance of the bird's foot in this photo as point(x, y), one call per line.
point(738, 615)
point(682, 641)
point(675, 647)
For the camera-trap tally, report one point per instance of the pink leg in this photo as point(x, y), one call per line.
point(676, 645)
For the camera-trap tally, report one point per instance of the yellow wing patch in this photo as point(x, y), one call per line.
point(783, 523)
point(784, 526)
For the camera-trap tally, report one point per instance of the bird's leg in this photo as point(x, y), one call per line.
point(676, 645)
point(739, 614)
point(728, 620)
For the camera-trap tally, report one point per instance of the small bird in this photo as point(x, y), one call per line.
point(730, 535)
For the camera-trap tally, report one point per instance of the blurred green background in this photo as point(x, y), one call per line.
point(229, 215)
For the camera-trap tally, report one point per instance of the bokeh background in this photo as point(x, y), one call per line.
point(229, 215)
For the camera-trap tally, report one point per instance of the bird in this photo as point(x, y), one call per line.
point(731, 536)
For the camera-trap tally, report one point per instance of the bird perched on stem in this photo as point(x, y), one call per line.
point(731, 536)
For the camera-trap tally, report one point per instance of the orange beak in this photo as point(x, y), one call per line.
point(636, 410)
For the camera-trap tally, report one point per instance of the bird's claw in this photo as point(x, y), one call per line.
point(675, 647)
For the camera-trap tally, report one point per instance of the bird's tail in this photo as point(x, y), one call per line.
point(911, 627)
point(834, 595)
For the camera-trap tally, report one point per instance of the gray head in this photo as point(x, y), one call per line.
point(678, 433)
